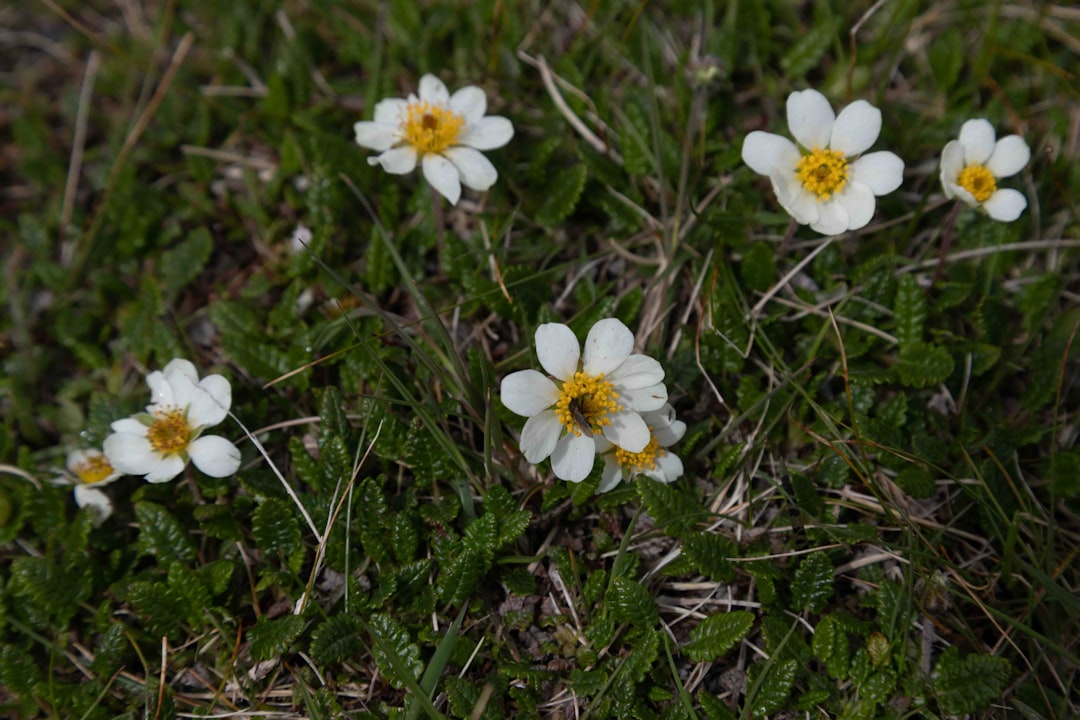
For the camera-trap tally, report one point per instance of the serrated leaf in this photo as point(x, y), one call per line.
point(717, 634)
point(275, 528)
point(161, 608)
point(219, 521)
point(909, 311)
point(183, 263)
point(967, 684)
point(813, 583)
point(631, 602)
point(394, 651)
point(713, 707)
point(337, 639)
point(922, 364)
point(47, 587)
point(916, 482)
point(758, 268)
point(642, 657)
point(672, 508)
point(809, 49)
point(161, 534)
point(270, 638)
point(770, 686)
point(830, 645)
point(563, 193)
point(709, 553)
point(637, 157)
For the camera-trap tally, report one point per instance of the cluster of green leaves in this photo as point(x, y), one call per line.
point(891, 446)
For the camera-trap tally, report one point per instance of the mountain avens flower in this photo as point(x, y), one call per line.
point(88, 471)
point(599, 395)
point(444, 133)
point(654, 461)
point(825, 181)
point(159, 442)
point(972, 165)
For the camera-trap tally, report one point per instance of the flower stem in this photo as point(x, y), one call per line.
point(946, 239)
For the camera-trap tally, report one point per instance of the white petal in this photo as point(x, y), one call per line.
point(644, 399)
point(637, 371)
point(443, 176)
point(952, 162)
point(628, 431)
point(376, 136)
point(527, 392)
point(215, 456)
point(793, 197)
point(856, 128)
point(832, 218)
point(487, 133)
point(1005, 205)
point(573, 457)
point(166, 469)
point(608, 345)
point(475, 170)
point(469, 102)
point(433, 90)
point(78, 458)
point(764, 152)
point(1010, 156)
point(670, 466)
point(539, 436)
point(961, 193)
point(611, 476)
point(219, 390)
point(977, 137)
point(882, 172)
point(603, 445)
point(810, 118)
point(160, 390)
point(129, 426)
point(98, 502)
point(130, 454)
point(180, 368)
point(558, 350)
point(396, 161)
point(665, 427)
point(859, 204)
point(390, 112)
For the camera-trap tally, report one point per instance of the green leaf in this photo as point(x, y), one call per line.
point(275, 528)
point(967, 684)
point(632, 603)
point(44, 586)
point(916, 482)
point(830, 645)
point(909, 311)
point(563, 193)
point(946, 55)
point(770, 685)
point(394, 651)
point(807, 52)
point(709, 553)
point(161, 608)
point(922, 364)
point(758, 267)
point(672, 508)
point(713, 707)
point(1063, 469)
point(161, 534)
point(813, 583)
point(183, 263)
point(642, 657)
point(337, 639)
point(717, 634)
point(270, 638)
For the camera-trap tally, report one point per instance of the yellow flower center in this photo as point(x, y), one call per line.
point(93, 469)
point(978, 181)
point(432, 128)
point(823, 172)
point(586, 403)
point(169, 433)
point(640, 461)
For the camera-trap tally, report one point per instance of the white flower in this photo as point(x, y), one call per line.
point(88, 471)
point(444, 132)
point(654, 461)
point(159, 442)
point(826, 185)
point(600, 394)
point(971, 166)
